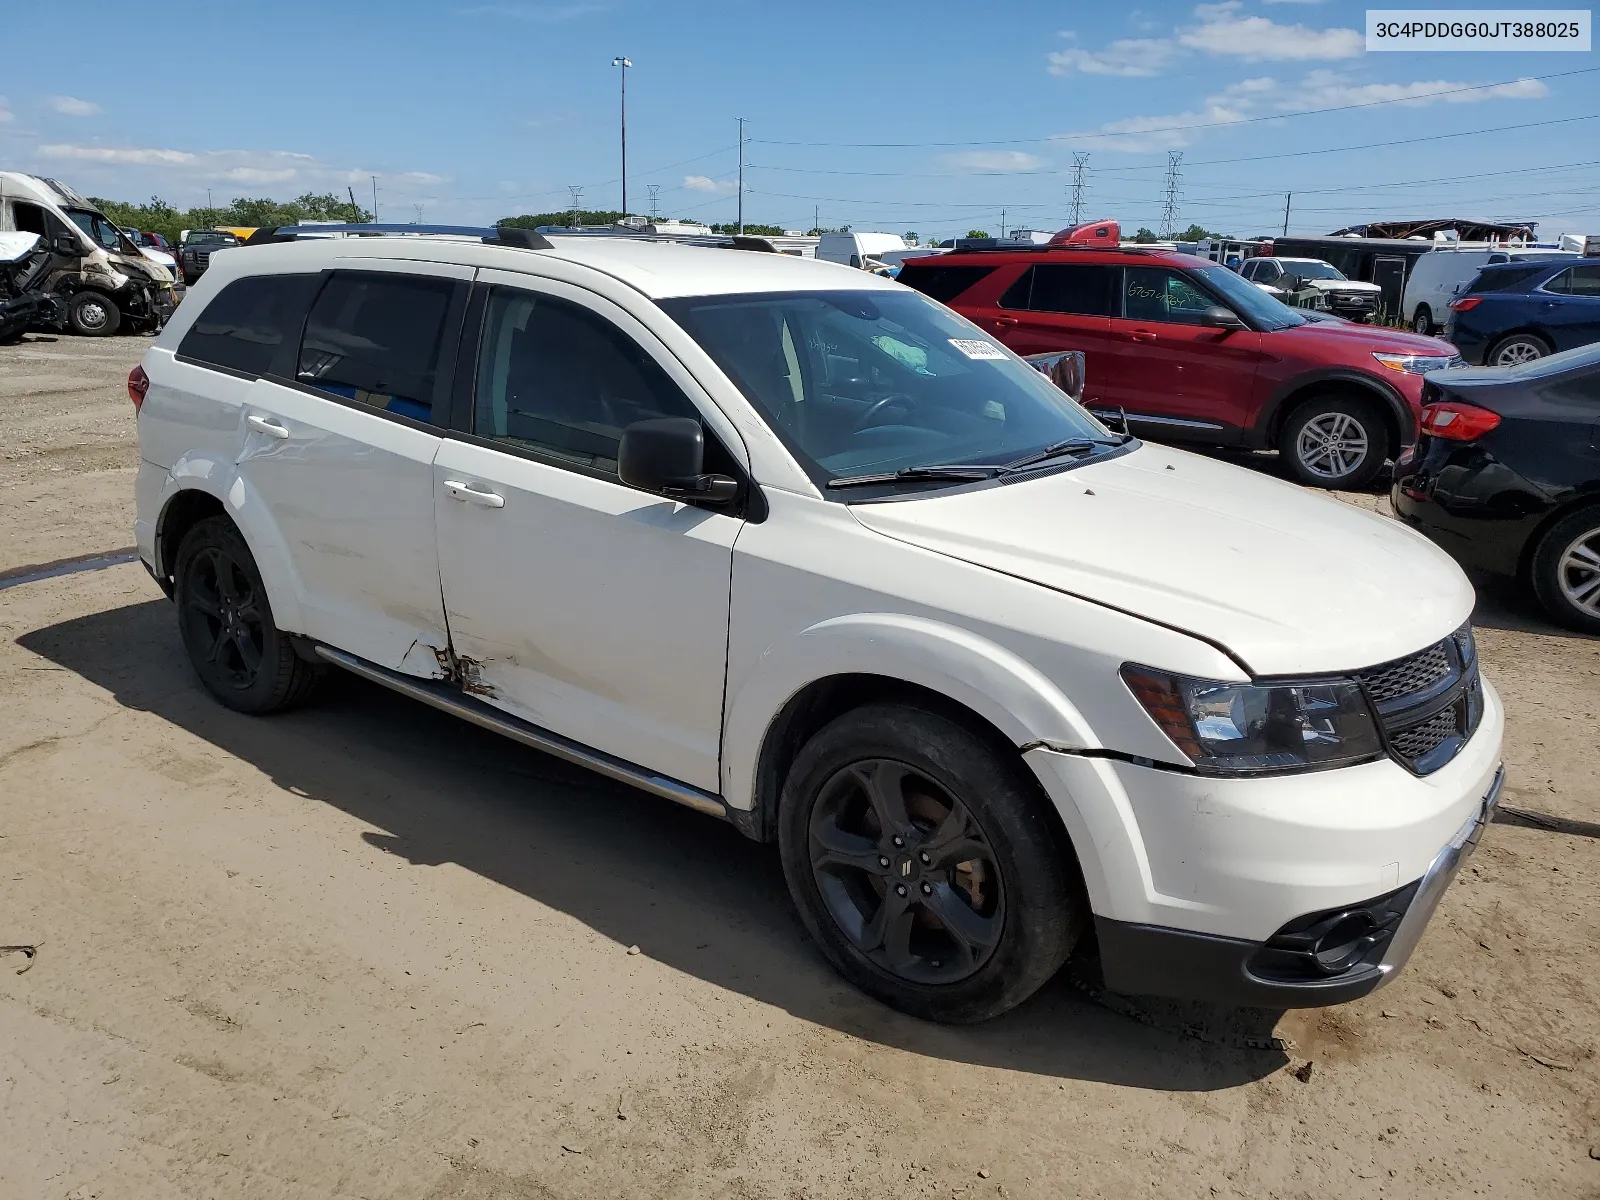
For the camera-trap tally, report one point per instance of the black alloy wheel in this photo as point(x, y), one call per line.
point(906, 872)
point(926, 863)
point(225, 619)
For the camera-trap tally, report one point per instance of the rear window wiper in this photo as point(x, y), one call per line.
point(915, 475)
point(1058, 448)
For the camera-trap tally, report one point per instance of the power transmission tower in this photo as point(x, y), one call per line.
point(1079, 161)
point(577, 202)
point(418, 207)
point(655, 201)
point(1169, 209)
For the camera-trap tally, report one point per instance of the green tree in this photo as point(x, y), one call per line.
point(563, 219)
point(157, 216)
point(1197, 233)
point(750, 230)
point(910, 236)
point(977, 233)
point(1144, 236)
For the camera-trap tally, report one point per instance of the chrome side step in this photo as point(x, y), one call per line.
point(447, 699)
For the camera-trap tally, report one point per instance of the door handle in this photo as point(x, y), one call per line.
point(1142, 335)
point(1004, 322)
point(472, 495)
point(266, 425)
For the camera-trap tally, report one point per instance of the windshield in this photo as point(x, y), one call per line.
point(1311, 268)
point(867, 382)
point(98, 228)
point(207, 237)
point(1249, 301)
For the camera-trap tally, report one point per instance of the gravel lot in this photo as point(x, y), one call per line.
point(366, 950)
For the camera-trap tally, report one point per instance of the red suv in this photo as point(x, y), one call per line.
point(1191, 352)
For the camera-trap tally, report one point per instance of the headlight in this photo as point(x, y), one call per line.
point(1249, 729)
point(1416, 364)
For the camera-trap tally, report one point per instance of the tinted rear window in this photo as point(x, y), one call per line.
point(1505, 279)
point(1078, 289)
point(244, 327)
point(376, 339)
point(942, 283)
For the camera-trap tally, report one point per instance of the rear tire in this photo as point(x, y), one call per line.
point(974, 907)
point(93, 314)
point(1422, 321)
point(1565, 570)
point(1335, 441)
point(1517, 349)
point(225, 619)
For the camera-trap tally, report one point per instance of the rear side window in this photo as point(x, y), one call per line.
point(941, 283)
point(1505, 279)
point(247, 324)
point(1576, 281)
point(376, 339)
point(1075, 289)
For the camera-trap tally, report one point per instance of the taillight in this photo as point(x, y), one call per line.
point(1458, 422)
point(138, 385)
point(1466, 303)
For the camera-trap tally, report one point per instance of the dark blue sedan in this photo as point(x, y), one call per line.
point(1516, 312)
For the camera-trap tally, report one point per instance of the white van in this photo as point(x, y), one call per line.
point(854, 249)
point(102, 280)
point(1438, 275)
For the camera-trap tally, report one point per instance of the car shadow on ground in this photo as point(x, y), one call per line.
point(690, 890)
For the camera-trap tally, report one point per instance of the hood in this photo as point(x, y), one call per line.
point(1377, 339)
point(1343, 285)
point(1290, 581)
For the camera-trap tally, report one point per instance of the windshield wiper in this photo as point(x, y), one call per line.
point(915, 475)
point(1058, 448)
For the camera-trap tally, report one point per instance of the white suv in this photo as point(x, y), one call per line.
point(802, 549)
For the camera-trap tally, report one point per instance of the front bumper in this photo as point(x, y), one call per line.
point(1319, 959)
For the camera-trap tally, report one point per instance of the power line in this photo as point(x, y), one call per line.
point(1071, 137)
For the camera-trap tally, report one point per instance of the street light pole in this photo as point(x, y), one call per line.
point(623, 62)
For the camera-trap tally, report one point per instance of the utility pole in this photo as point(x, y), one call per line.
point(1287, 196)
point(741, 174)
point(1002, 224)
point(1169, 209)
point(577, 201)
point(623, 62)
point(355, 212)
point(374, 198)
point(655, 199)
point(1078, 163)
point(211, 212)
point(816, 219)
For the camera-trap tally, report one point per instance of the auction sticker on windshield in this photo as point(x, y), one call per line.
point(976, 348)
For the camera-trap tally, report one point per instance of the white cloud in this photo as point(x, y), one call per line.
point(71, 106)
point(704, 183)
point(1291, 1)
point(1223, 31)
point(1220, 30)
point(5, 111)
point(417, 178)
point(259, 175)
point(1127, 57)
point(1329, 89)
point(996, 160)
point(109, 154)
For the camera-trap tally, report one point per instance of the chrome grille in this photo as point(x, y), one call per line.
point(1428, 703)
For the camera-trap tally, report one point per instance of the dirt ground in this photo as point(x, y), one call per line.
point(365, 950)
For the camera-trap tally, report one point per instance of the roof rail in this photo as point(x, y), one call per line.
point(506, 235)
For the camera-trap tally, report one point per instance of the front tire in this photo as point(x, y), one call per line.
point(226, 623)
point(1335, 442)
point(1517, 349)
point(1565, 570)
point(93, 314)
point(923, 863)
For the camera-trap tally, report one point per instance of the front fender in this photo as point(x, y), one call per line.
point(987, 678)
point(1269, 421)
point(219, 477)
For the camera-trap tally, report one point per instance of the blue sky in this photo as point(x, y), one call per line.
point(934, 117)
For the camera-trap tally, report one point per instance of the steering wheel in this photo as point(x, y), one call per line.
point(891, 399)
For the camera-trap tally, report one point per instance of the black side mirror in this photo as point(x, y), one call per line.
point(1065, 369)
point(667, 455)
point(1221, 318)
point(66, 244)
